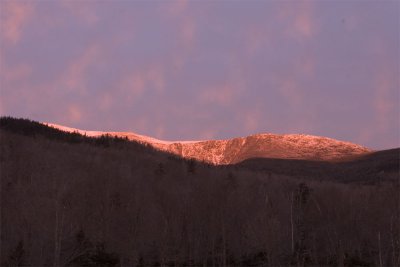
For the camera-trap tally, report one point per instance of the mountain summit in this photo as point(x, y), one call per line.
point(220, 152)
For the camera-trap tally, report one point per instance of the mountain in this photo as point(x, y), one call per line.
point(74, 200)
point(231, 151)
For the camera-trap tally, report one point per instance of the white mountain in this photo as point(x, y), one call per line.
point(286, 146)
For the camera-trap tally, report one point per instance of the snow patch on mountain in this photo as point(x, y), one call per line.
point(131, 136)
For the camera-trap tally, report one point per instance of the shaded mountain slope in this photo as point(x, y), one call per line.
point(373, 167)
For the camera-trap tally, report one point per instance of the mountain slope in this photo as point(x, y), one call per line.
point(290, 146)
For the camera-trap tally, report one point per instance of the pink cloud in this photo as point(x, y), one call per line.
point(228, 90)
point(221, 94)
point(303, 23)
point(105, 101)
point(155, 77)
point(15, 74)
point(14, 17)
point(74, 114)
point(160, 131)
point(256, 39)
point(177, 12)
point(83, 10)
point(301, 19)
point(385, 108)
point(76, 74)
point(188, 32)
point(252, 120)
point(306, 66)
point(2, 110)
point(140, 125)
point(383, 103)
point(17, 85)
point(351, 23)
point(177, 62)
point(292, 81)
point(13, 84)
point(290, 90)
point(133, 85)
point(208, 134)
point(176, 7)
point(137, 83)
point(187, 39)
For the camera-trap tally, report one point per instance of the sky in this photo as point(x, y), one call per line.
point(194, 70)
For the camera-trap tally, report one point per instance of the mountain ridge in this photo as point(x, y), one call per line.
point(231, 151)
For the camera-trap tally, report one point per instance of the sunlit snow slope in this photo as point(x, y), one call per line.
point(290, 146)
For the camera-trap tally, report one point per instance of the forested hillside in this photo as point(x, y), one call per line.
point(71, 200)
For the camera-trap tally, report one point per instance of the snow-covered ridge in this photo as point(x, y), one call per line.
point(130, 135)
point(289, 146)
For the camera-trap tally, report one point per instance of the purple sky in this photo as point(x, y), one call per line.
point(199, 70)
